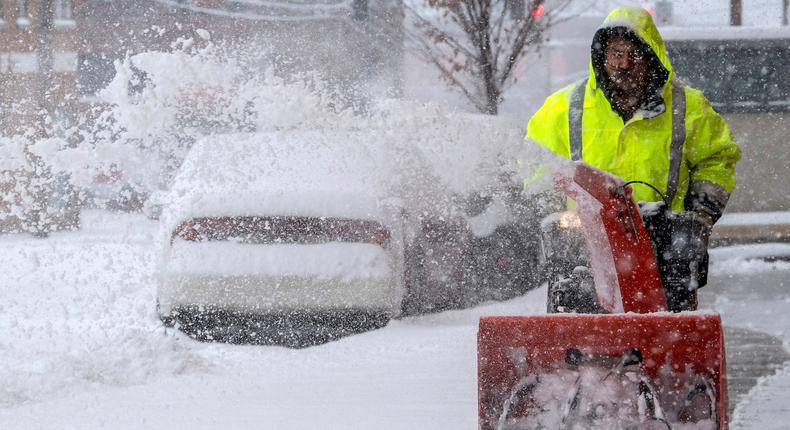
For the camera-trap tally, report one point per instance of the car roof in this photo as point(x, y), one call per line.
point(313, 173)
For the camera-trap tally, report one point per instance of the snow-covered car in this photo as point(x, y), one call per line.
point(269, 235)
point(487, 250)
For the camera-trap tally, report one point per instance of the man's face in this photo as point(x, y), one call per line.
point(626, 65)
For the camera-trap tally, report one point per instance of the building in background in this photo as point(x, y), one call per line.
point(744, 73)
point(38, 64)
point(352, 43)
point(57, 54)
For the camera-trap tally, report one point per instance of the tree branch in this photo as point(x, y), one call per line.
point(517, 49)
point(475, 100)
point(480, 56)
point(498, 31)
point(446, 37)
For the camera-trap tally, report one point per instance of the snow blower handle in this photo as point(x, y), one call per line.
point(680, 243)
point(680, 240)
point(622, 259)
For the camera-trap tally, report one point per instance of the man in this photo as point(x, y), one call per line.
point(635, 120)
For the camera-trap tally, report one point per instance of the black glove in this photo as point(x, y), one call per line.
point(707, 200)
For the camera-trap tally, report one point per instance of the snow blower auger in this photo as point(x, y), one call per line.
point(609, 355)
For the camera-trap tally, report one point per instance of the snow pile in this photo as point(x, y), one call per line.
point(15, 175)
point(750, 258)
point(755, 218)
point(12, 153)
point(22, 182)
point(766, 406)
point(76, 316)
point(298, 173)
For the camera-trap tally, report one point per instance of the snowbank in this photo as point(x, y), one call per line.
point(754, 218)
point(12, 154)
point(750, 258)
point(79, 313)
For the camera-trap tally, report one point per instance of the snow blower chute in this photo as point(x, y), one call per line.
point(611, 356)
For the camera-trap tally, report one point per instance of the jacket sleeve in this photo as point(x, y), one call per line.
point(549, 126)
point(711, 154)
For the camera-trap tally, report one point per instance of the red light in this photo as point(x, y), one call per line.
point(538, 12)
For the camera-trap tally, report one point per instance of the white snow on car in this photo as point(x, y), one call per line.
point(276, 223)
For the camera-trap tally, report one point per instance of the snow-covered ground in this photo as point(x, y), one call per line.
point(757, 279)
point(82, 349)
point(754, 218)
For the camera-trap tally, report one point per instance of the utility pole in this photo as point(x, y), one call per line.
point(736, 12)
point(44, 54)
point(785, 6)
point(40, 182)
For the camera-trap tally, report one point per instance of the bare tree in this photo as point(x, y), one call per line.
point(477, 44)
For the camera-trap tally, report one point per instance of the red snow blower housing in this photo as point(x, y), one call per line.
point(609, 354)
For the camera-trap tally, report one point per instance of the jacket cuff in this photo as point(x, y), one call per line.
point(707, 198)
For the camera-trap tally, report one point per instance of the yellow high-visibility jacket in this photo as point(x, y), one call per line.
point(641, 148)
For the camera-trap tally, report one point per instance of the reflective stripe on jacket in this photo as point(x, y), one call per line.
point(640, 148)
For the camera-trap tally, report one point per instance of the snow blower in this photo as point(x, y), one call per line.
point(609, 354)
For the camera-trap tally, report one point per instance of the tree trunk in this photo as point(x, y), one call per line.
point(736, 11)
point(487, 65)
point(492, 99)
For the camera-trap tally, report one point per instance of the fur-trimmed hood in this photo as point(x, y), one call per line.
point(636, 25)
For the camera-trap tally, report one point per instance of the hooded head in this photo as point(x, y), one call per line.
point(634, 26)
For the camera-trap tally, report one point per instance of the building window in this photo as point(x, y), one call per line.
point(21, 9)
point(63, 9)
point(754, 79)
point(22, 13)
